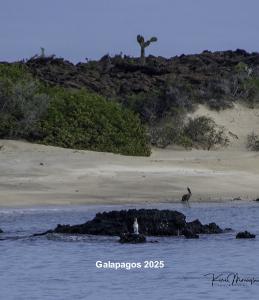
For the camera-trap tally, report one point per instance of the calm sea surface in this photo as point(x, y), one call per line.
point(64, 267)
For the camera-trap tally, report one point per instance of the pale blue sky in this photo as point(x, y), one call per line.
point(76, 29)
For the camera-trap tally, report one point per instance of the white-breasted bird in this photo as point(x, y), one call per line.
point(135, 226)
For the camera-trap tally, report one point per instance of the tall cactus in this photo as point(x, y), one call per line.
point(143, 45)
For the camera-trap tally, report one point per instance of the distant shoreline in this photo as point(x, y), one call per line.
point(106, 206)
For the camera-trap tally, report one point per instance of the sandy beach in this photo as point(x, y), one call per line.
point(33, 174)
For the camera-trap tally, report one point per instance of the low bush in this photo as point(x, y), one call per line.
point(253, 142)
point(205, 133)
point(23, 102)
point(83, 120)
point(162, 137)
point(200, 132)
point(168, 131)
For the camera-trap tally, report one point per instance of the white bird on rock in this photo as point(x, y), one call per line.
point(135, 226)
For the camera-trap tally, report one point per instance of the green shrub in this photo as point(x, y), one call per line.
point(14, 72)
point(22, 102)
point(201, 132)
point(162, 137)
point(83, 120)
point(185, 141)
point(148, 106)
point(251, 85)
point(157, 105)
point(205, 133)
point(7, 124)
point(168, 131)
point(245, 84)
point(63, 117)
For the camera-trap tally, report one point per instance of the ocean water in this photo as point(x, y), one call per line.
point(64, 267)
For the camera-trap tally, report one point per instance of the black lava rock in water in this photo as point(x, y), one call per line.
point(132, 238)
point(196, 227)
point(245, 235)
point(190, 234)
point(152, 222)
point(228, 229)
point(1, 231)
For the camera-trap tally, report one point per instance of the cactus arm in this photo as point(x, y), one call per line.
point(140, 39)
point(153, 39)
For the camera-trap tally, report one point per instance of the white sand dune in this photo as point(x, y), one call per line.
point(239, 122)
point(32, 174)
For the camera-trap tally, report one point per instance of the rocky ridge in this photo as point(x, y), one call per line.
point(204, 78)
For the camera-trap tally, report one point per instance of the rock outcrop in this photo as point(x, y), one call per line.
point(152, 222)
point(190, 234)
point(197, 227)
point(245, 235)
point(132, 238)
point(209, 77)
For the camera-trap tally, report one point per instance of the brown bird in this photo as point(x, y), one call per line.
point(186, 197)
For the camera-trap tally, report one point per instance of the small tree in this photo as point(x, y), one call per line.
point(143, 45)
